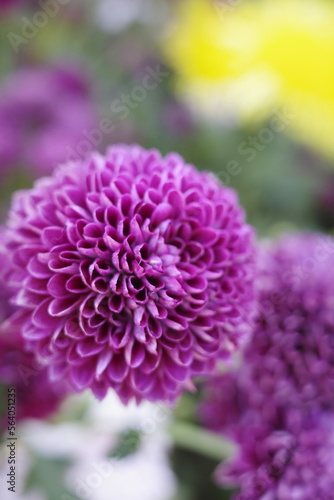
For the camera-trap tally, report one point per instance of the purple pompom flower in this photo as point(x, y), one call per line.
point(45, 114)
point(274, 405)
point(133, 271)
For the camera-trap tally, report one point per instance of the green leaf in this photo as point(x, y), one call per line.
point(128, 443)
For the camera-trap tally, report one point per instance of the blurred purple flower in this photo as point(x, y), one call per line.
point(267, 405)
point(44, 113)
point(6, 4)
point(134, 271)
point(290, 359)
point(177, 119)
point(295, 462)
point(35, 396)
point(293, 343)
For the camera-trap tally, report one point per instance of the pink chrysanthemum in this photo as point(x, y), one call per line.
point(134, 271)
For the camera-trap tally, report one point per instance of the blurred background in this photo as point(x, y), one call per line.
point(244, 88)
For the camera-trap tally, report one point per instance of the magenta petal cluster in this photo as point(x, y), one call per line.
point(134, 271)
point(278, 405)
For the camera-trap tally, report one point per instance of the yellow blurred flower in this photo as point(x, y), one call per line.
point(246, 58)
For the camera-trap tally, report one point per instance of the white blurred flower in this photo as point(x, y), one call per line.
point(117, 15)
point(143, 475)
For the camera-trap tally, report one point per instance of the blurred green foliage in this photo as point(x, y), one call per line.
point(47, 475)
point(128, 443)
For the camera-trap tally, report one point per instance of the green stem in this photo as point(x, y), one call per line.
point(198, 440)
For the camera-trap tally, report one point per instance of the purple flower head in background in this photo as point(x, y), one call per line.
point(294, 462)
point(274, 405)
point(290, 359)
point(293, 342)
point(44, 114)
point(283, 452)
point(7, 4)
point(133, 271)
point(35, 396)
